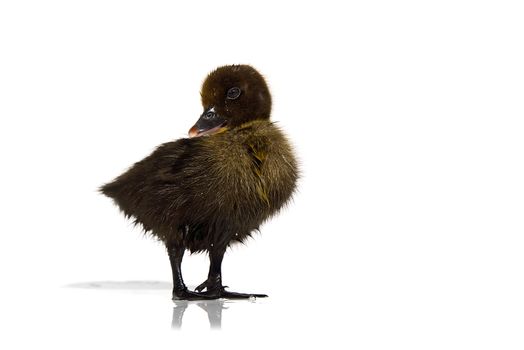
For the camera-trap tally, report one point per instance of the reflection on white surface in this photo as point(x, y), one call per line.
point(213, 308)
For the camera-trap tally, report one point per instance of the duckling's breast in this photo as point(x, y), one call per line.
point(255, 171)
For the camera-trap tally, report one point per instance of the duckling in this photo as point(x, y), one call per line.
point(215, 188)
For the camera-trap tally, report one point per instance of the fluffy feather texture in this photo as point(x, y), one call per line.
point(213, 190)
point(255, 101)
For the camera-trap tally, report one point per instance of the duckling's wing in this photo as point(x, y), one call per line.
point(155, 183)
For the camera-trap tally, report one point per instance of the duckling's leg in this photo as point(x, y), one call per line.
point(180, 291)
point(213, 284)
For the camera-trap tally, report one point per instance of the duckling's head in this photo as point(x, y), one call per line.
point(231, 96)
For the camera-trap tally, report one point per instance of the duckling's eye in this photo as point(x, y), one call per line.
point(209, 115)
point(233, 93)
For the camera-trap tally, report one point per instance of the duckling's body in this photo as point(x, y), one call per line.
point(212, 190)
point(205, 193)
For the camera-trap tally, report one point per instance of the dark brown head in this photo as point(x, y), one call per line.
point(232, 96)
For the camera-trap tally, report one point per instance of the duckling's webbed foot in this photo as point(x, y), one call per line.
point(213, 284)
point(186, 294)
point(232, 295)
point(218, 291)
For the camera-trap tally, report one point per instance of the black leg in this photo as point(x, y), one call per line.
point(213, 284)
point(214, 277)
point(180, 291)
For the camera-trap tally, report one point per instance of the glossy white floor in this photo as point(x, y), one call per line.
point(407, 229)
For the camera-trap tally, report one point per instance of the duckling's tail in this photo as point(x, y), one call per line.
point(110, 190)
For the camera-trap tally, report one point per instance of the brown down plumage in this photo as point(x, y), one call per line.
point(215, 188)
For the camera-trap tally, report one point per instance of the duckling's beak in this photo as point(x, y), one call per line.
point(209, 123)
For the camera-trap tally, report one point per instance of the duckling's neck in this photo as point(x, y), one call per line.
point(253, 123)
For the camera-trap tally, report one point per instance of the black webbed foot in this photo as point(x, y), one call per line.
point(219, 291)
point(213, 284)
point(232, 295)
point(185, 294)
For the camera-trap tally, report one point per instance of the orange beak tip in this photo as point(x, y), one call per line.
point(193, 132)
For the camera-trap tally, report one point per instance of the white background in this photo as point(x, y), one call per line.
point(407, 116)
